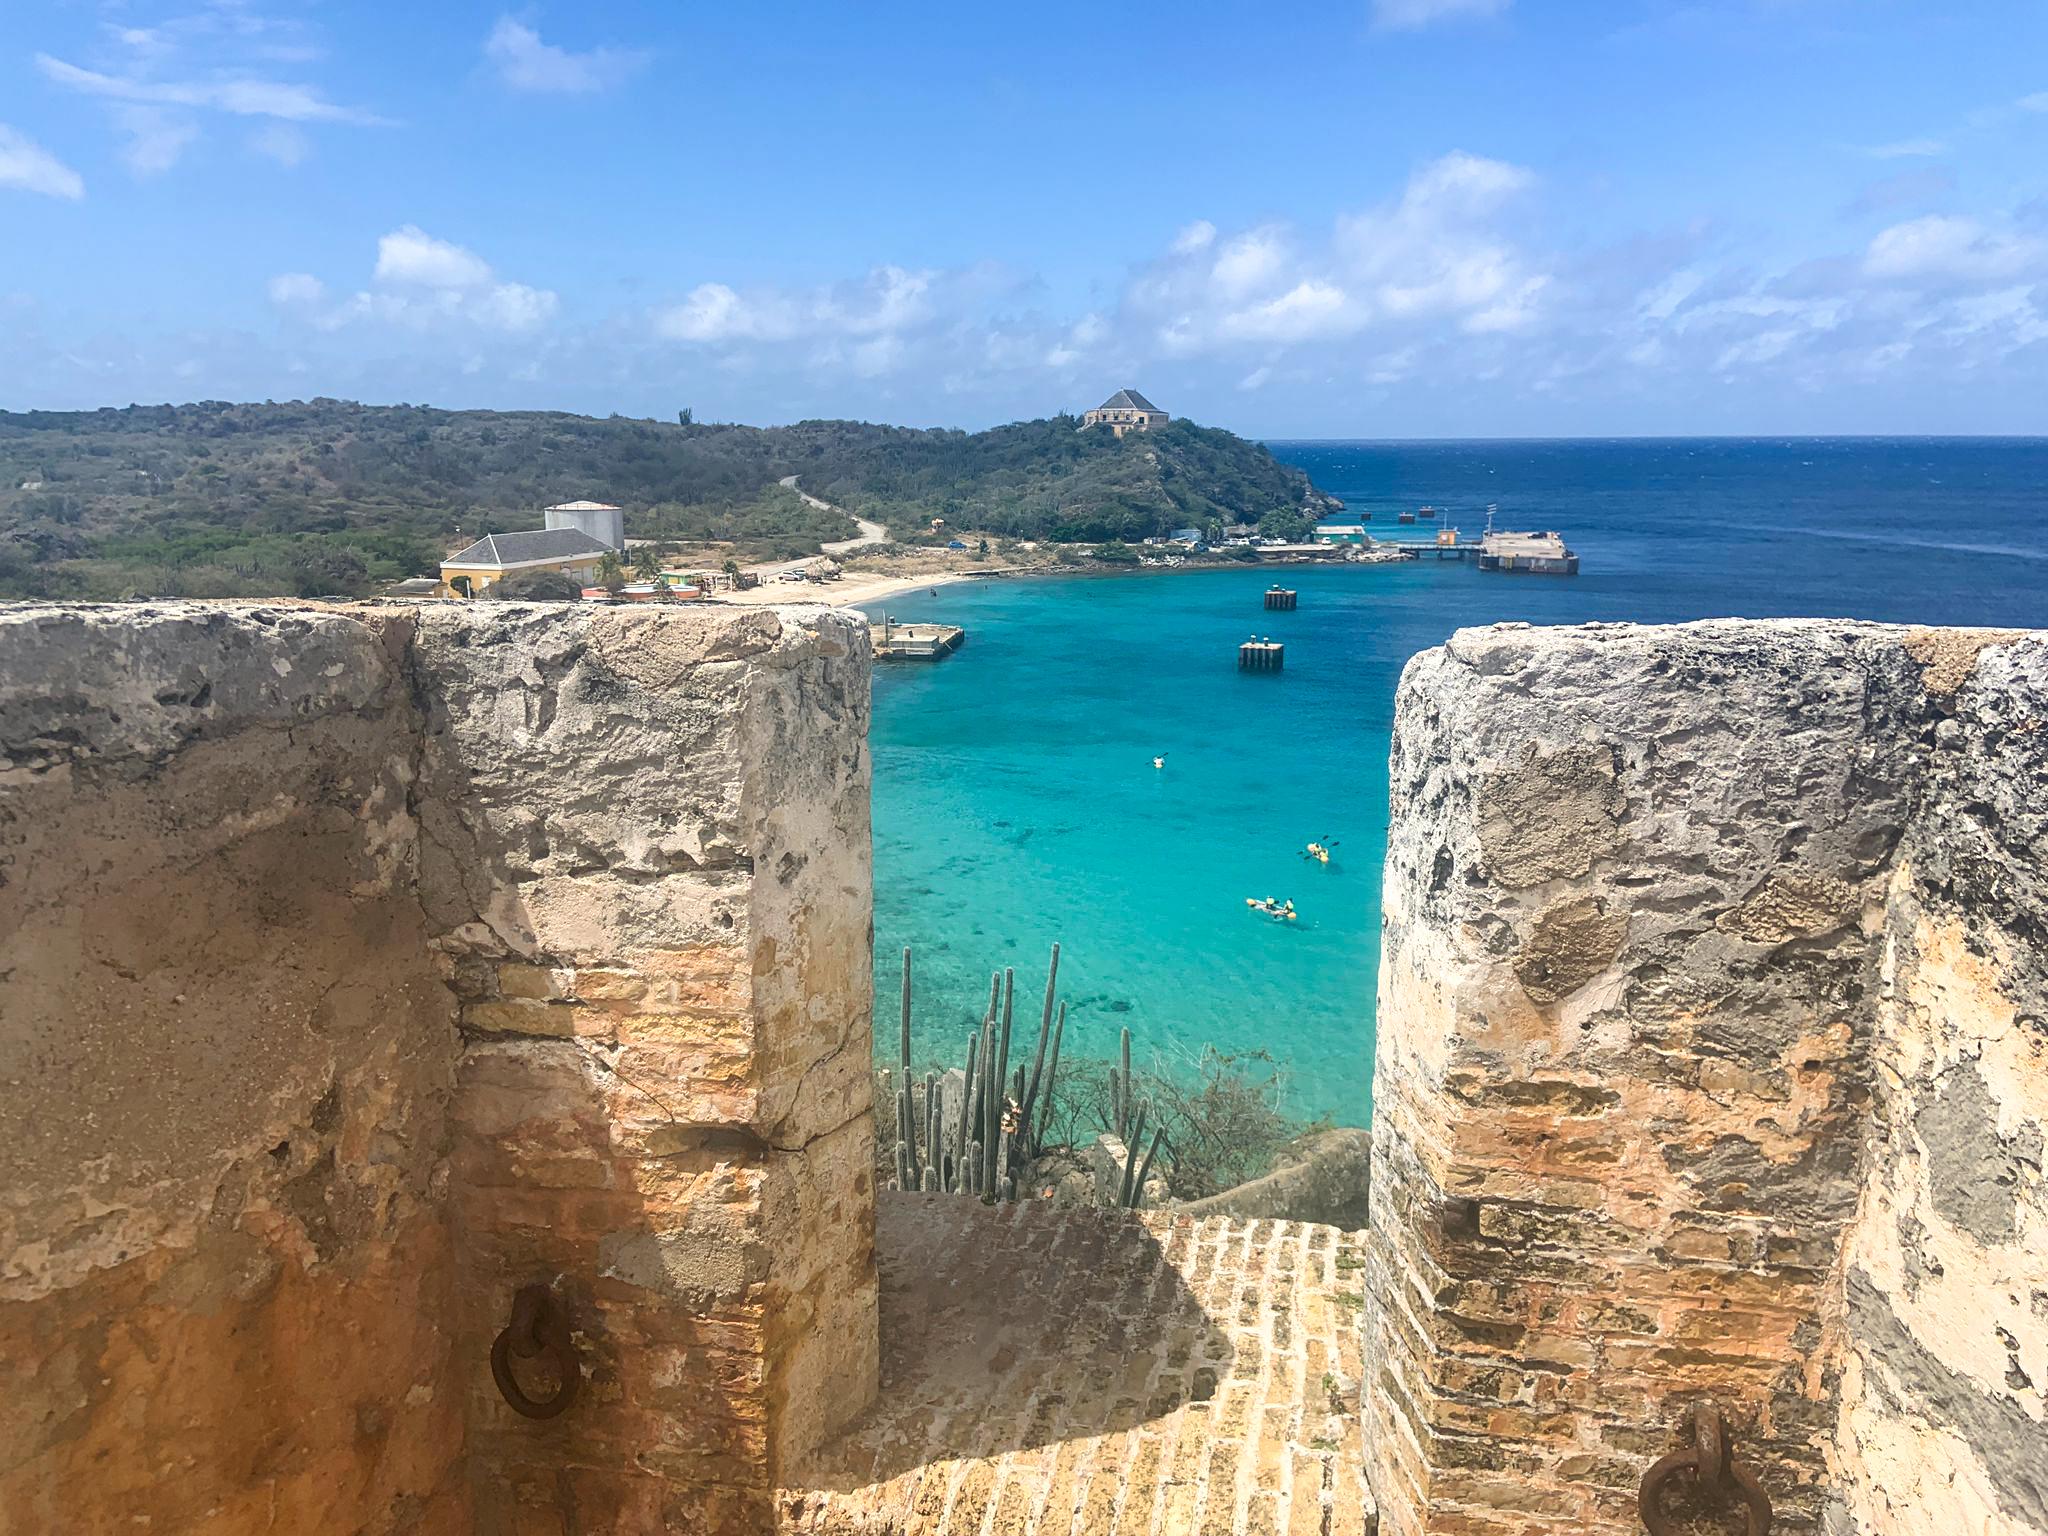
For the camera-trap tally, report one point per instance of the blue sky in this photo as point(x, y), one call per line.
point(1379, 218)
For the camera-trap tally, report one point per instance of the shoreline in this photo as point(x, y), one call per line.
point(858, 589)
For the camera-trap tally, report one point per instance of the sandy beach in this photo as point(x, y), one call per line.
point(856, 589)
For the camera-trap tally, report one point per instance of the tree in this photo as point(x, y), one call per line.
point(646, 562)
point(610, 574)
point(686, 417)
point(538, 587)
point(324, 572)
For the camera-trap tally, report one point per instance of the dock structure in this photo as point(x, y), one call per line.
point(1280, 599)
point(1542, 554)
point(1257, 655)
point(914, 642)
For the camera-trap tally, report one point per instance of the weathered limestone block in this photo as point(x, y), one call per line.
point(1651, 1055)
point(225, 1269)
point(359, 965)
point(1944, 1423)
point(646, 851)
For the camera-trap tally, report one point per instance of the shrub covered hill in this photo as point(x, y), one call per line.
point(329, 496)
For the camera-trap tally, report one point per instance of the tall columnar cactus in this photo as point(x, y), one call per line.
point(1124, 1103)
point(1028, 1099)
point(1138, 1188)
point(999, 1122)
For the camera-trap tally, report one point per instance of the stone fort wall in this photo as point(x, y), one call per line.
point(1713, 1067)
point(359, 965)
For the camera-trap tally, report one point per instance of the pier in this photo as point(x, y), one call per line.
point(914, 642)
point(1280, 599)
point(1543, 554)
point(1257, 655)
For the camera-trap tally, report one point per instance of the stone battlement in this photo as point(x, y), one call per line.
point(362, 965)
point(1711, 1068)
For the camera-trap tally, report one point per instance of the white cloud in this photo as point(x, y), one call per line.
point(2037, 102)
point(411, 255)
point(26, 166)
point(1662, 300)
point(1907, 149)
point(525, 63)
point(888, 301)
point(1310, 308)
point(243, 97)
point(1468, 181)
point(156, 137)
point(1086, 334)
point(1250, 262)
point(1194, 237)
point(296, 290)
point(1435, 252)
point(421, 283)
point(1409, 14)
point(1950, 247)
point(285, 143)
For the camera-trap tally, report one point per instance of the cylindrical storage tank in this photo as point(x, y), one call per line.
point(596, 518)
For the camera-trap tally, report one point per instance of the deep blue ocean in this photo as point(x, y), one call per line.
point(1015, 798)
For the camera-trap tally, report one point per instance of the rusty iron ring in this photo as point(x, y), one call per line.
point(539, 1326)
point(1713, 1466)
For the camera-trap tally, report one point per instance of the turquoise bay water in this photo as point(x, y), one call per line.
point(1015, 798)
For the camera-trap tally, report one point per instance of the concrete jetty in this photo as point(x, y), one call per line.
point(914, 642)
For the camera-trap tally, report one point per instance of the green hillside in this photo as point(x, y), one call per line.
point(329, 496)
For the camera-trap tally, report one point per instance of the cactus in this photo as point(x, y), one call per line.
point(1052, 1069)
point(1027, 1099)
point(1124, 1103)
point(1124, 1196)
point(1003, 1110)
point(1144, 1173)
point(999, 1081)
point(966, 1126)
point(909, 1126)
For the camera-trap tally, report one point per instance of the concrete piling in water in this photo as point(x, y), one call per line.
point(1280, 599)
point(1257, 655)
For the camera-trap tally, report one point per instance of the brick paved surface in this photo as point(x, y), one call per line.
point(1069, 1373)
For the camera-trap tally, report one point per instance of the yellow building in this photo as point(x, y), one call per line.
point(1126, 411)
point(470, 572)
